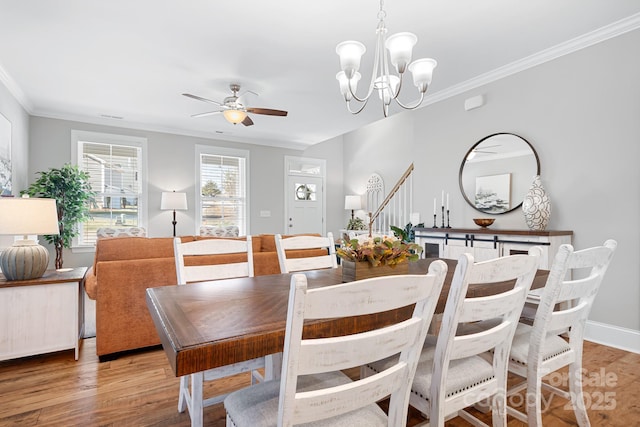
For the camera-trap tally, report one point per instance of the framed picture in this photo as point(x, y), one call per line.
point(5, 156)
point(493, 193)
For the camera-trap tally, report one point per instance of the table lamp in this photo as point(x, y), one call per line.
point(26, 259)
point(353, 203)
point(175, 202)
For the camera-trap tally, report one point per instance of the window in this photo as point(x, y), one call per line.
point(116, 173)
point(222, 180)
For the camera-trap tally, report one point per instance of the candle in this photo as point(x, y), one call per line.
point(434, 205)
point(442, 199)
point(447, 201)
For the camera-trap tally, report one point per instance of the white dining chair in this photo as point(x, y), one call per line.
point(564, 306)
point(313, 262)
point(191, 386)
point(451, 373)
point(312, 388)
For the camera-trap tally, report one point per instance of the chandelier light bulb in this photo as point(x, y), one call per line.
point(350, 53)
point(387, 87)
point(344, 84)
point(400, 46)
point(422, 71)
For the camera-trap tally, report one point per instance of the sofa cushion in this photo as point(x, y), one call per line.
point(109, 232)
point(228, 231)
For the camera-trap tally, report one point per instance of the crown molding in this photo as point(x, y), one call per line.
point(212, 136)
point(15, 90)
point(610, 31)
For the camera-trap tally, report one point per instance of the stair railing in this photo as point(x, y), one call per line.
point(396, 208)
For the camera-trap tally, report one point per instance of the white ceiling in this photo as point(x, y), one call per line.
point(87, 59)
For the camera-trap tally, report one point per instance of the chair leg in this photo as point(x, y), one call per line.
point(533, 399)
point(499, 409)
point(195, 408)
point(577, 397)
point(183, 393)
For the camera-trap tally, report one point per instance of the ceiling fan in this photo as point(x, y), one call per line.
point(233, 109)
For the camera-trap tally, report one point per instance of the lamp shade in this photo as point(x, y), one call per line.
point(173, 201)
point(352, 202)
point(26, 259)
point(28, 216)
point(400, 46)
point(422, 71)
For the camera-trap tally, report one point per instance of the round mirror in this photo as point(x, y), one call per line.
point(497, 171)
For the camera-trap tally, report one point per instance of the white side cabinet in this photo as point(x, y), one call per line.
point(484, 243)
point(41, 315)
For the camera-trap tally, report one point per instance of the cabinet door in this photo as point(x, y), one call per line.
point(431, 247)
point(481, 251)
point(523, 248)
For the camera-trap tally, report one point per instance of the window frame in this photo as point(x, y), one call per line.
point(78, 136)
point(221, 151)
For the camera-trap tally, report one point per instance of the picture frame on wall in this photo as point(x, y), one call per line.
point(5, 156)
point(493, 193)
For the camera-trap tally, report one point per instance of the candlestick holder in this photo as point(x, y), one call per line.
point(434, 221)
point(442, 216)
point(448, 226)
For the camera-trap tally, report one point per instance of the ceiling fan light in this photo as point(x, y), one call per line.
point(350, 53)
point(234, 116)
point(422, 70)
point(344, 84)
point(400, 46)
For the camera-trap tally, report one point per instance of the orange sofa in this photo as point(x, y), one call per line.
point(125, 267)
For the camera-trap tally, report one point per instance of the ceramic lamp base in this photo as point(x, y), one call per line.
point(25, 260)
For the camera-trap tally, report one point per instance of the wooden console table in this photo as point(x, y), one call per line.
point(42, 315)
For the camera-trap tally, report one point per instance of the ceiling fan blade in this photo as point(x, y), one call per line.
point(202, 99)
point(210, 113)
point(247, 121)
point(267, 111)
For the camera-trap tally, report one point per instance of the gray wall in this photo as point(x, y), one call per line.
point(19, 119)
point(581, 113)
point(171, 166)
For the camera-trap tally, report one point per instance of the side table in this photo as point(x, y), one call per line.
point(42, 315)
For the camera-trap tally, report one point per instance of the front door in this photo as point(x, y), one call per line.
point(304, 205)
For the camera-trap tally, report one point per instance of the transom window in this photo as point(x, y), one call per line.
point(223, 176)
point(115, 167)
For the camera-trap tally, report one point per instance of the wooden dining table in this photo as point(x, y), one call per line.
point(210, 324)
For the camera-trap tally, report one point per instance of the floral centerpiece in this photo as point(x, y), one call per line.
point(377, 256)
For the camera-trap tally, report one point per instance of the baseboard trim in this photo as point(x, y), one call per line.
point(613, 336)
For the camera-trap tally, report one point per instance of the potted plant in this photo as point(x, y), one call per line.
point(70, 187)
point(406, 234)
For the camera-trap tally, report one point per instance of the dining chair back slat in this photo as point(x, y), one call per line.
point(315, 262)
point(206, 247)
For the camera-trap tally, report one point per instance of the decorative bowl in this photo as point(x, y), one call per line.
point(483, 222)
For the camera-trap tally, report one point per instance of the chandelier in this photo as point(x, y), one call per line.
point(386, 83)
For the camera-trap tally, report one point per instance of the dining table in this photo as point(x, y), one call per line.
point(206, 325)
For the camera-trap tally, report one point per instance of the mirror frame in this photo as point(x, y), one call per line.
point(464, 160)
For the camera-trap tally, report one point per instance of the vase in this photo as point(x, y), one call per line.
point(536, 206)
point(352, 271)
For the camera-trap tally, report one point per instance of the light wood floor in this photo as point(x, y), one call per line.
point(140, 390)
